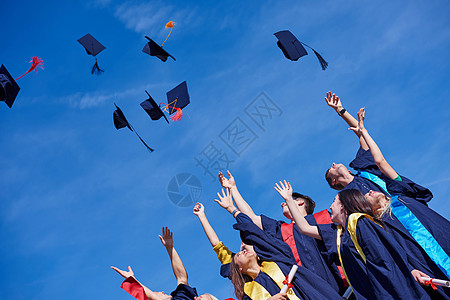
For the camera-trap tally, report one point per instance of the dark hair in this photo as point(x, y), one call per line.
point(238, 279)
point(354, 202)
point(309, 203)
point(336, 186)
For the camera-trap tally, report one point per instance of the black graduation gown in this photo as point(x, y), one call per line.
point(309, 251)
point(306, 284)
point(184, 292)
point(386, 273)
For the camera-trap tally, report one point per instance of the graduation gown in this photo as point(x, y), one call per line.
point(385, 274)
point(416, 255)
point(415, 198)
point(306, 285)
point(184, 292)
point(309, 251)
point(437, 226)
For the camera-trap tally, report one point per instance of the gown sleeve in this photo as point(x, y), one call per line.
point(184, 292)
point(328, 234)
point(266, 246)
point(271, 226)
point(364, 162)
point(409, 188)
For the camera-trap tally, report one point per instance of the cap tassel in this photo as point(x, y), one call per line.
point(168, 25)
point(36, 62)
point(96, 69)
point(322, 61)
point(178, 115)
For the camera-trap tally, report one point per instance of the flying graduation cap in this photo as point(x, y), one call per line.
point(177, 99)
point(152, 109)
point(153, 49)
point(120, 121)
point(293, 49)
point(93, 47)
point(8, 85)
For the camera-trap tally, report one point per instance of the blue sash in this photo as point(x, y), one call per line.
point(421, 235)
point(375, 179)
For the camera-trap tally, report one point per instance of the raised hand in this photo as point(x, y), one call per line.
point(123, 273)
point(226, 201)
point(333, 101)
point(359, 129)
point(284, 189)
point(227, 183)
point(199, 209)
point(166, 238)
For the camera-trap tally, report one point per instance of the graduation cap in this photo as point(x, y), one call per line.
point(153, 49)
point(293, 49)
point(152, 109)
point(93, 47)
point(177, 99)
point(120, 122)
point(8, 85)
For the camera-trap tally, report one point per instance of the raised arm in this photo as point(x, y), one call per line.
point(285, 190)
point(177, 265)
point(127, 274)
point(334, 102)
point(241, 204)
point(199, 211)
point(226, 202)
point(378, 157)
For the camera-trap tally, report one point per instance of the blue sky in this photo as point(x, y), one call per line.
point(79, 196)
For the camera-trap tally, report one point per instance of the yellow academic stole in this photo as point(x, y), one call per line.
point(351, 228)
point(257, 292)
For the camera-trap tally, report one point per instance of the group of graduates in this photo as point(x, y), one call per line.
point(380, 241)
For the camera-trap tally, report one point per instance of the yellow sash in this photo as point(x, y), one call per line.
point(253, 289)
point(351, 228)
point(257, 292)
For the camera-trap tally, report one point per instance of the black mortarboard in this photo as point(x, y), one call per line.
point(120, 121)
point(178, 97)
point(293, 49)
point(152, 109)
point(8, 87)
point(153, 49)
point(93, 47)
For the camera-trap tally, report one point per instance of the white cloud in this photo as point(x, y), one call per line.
point(150, 18)
point(94, 99)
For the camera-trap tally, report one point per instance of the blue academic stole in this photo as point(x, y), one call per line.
point(375, 179)
point(422, 236)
